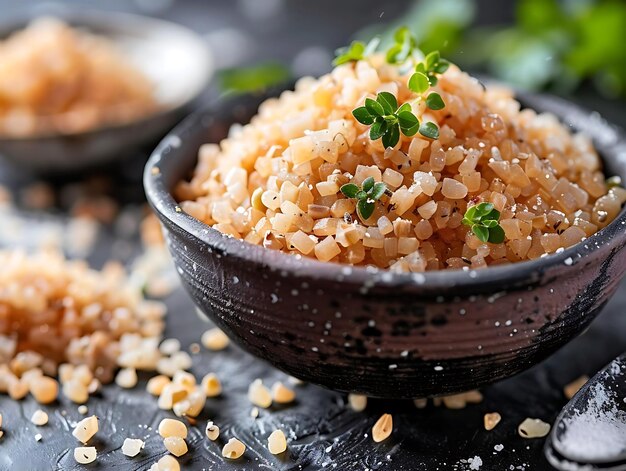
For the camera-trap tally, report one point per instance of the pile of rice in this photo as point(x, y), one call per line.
point(276, 181)
point(56, 79)
point(54, 312)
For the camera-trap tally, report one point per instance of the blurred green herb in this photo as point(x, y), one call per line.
point(253, 79)
point(483, 220)
point(403, 48)
point(556, 44)
point(356, 51)
point(432, 25)
point(366, 195)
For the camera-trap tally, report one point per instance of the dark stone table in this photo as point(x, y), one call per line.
point(323, 433)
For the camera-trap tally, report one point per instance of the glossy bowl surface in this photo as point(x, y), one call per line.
point(174, 58)
point(373, 331)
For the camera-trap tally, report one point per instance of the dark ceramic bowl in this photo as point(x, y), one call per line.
point(173, 57)
point(373, 331)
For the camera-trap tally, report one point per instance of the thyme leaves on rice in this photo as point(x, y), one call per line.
point(366, 195)
point(385, 118)
point(483, 220)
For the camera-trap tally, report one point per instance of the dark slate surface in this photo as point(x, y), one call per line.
point(322, 432)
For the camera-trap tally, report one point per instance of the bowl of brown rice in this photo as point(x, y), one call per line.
point(431, 263)
point(79, 89)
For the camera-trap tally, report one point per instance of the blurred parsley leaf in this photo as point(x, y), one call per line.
point(253, 79)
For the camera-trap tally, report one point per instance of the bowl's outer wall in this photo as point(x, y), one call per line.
point(375, 335)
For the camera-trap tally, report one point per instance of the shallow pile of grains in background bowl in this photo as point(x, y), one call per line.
point(90, 83)
point(276, 181)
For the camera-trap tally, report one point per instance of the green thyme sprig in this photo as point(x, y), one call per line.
point(403, 48)
point(365, 196)
point(356, 51)
point(427, 72)
point(387, 119)
point(483, 220)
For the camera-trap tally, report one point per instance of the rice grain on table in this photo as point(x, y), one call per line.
point(276, 181)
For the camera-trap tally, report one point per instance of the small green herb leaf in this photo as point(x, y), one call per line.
point(496, 235)
point(375, 108)
point(378, 129)
point(387, 120)
point(483, 219)
point(349, 190)
point(378, 191)
point(365, 208)
point(493, 215)
point(407, 121)
point(368, 184)
point(432, 59)
point(404, 107)
point(366, 195)
point(356, 51)
point(419, 82)
point(363, 116)
point(442, 66)
point(429, 130)
point(434, 101)
point(482, 209)
point(392, 136)
point(403, 47)
point(481, 232)
point(388, 102)
point(371, 47)
point(353, 52)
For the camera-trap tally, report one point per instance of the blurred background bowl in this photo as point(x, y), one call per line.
point(174, 58)
point(375, 332)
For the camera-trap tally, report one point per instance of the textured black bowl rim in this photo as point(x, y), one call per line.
point(608, 139)
point(89, 18)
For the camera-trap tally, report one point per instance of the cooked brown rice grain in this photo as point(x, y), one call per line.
point(172, 428)
point(175, 445)
point(382, 428)
point(76, 391)
point(211, 385)
point(132, 446)
point(358, 402)
point(233, 449)
point(212, 431)
point(277, 443)
point(281, 394)
point(85, 454)
point(214, 339)
point(39, 418)
point(126, 378)
point(85, 429)
point(533, 428)
point(168, 463)
point(259, 394)
point(491, 420)
point(44, 389)
point(156, 384)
